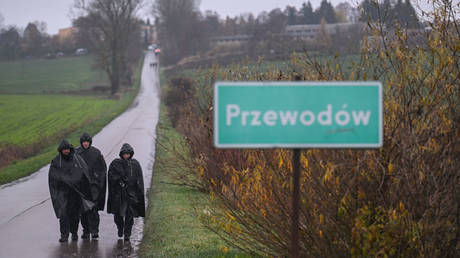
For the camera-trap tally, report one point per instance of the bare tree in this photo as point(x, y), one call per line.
point(109, 27)
point(41, 26)
point(178, 27)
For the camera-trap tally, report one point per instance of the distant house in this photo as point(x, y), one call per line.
point(230, 41)
point(307, 32)
point(66, 34)
point(310, 31)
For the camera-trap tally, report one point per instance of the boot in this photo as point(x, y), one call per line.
point(85, 235)
point(74, 237)
point(64, 238)
point(95, 235)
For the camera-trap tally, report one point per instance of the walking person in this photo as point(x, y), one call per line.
point(126, 191)
point(69, 189)
point(97, 169)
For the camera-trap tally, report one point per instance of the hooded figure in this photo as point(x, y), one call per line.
point(69, 189)
point(98, 180)
point(126, 191)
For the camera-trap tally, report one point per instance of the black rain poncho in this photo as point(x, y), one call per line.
point(68, 174)
point(126, 185)
point(97, 169)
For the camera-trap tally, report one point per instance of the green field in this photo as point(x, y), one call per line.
point(49, 76)
point(27, 119)
point(33, 123)
point(172, 227)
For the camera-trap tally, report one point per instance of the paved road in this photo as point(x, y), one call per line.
point(28, 226)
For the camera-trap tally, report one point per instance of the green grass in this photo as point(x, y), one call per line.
point(172, 228)
point(32, 119)
point(266, 65)
point(45, 76)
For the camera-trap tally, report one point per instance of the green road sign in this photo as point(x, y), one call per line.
point(298, 115)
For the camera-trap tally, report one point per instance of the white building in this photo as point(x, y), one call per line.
point(310, 31)
point(230, 41)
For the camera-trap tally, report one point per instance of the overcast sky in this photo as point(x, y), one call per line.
point(56, 13)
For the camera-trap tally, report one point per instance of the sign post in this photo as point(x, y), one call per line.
point(298, 115)
point(295, 202)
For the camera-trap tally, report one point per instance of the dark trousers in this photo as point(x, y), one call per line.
point(125, 223)
point(68, 222)
point(90, 221)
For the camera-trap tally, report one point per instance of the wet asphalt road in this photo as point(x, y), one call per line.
point(28, 225)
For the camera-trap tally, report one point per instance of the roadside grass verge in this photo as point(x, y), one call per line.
point(35, 125)
point(44, 76)
point(172, 227)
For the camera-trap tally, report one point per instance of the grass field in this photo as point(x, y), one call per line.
point(172, 228)
point(30, 118)
point(346, 62)
point(45, 76)
point(33, 124)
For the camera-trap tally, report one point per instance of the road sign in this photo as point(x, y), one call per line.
point(298, 115)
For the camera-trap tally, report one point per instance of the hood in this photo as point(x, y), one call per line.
point(65, 144)
point(86, 137)
point(126, 148)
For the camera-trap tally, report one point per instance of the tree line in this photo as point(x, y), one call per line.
point(192, 33)
point(306, 14)
point(32, 42)
point(390, 13)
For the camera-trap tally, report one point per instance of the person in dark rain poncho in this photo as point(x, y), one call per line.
point(126, 191)
point(70, 193)
point(97, 169)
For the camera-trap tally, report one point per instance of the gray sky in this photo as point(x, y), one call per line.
point(56, 13)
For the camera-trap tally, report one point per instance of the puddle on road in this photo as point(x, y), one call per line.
point(94, 248)
point(123, 249)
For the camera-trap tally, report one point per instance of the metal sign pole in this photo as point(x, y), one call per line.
point(295, 202)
